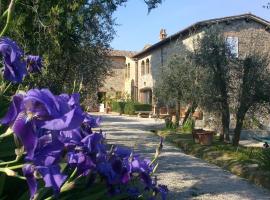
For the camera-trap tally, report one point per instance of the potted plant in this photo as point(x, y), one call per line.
point(203, 137)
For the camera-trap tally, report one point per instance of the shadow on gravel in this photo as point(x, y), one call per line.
point(206, 181)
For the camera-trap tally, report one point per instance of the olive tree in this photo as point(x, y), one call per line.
point(175, 82)
point(254, 86)
point(212, 55)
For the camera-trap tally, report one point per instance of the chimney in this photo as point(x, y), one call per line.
point(162, 34)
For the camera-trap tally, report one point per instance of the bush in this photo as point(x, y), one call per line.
point(118, 106)
point(131, 107)
point(142, 107)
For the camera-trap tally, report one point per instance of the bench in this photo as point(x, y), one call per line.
point(144, 113)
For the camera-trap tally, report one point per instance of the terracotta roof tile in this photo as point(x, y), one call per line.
point(199, 25)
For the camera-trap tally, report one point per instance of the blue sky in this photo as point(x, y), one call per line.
point(136, 28)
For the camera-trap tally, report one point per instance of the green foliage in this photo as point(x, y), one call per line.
point(264, 159)
point(118, 106)
point(253, 85)
point(169, 124)
point(212, 56)
point(131, 107)
point(73, 37)
point(188, 126)
point(142, 107)
point(176, 80)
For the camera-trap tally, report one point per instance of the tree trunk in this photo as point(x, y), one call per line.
point(239, 124)
point(177, 114)
point(225, 119)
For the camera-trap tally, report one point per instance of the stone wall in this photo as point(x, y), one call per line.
point(130, 79)
point(115, 83)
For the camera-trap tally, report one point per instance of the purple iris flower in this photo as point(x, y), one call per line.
point(163, 189)
point(37, 110)
point(14, 65)
point(28, 172)
point(70, 138)
point(80, 160)
point(34, 63)
point(54, 131)
point(92, 121)
point(133, 192)
point(49, 151)
point(93, 143)
point(122, 152)
point(52, 176)
point(105, 170)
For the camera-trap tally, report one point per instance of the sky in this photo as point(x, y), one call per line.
point(136, 28)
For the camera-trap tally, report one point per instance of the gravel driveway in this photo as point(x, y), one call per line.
point(186, 176)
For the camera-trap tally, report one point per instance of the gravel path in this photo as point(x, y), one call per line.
point(186, 176)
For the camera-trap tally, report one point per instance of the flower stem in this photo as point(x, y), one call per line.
point(10, 162)
point(9, 15)
point(16, 166)
point(7, 88)
point(10, 172)
point(6, 134)
point(72, 175)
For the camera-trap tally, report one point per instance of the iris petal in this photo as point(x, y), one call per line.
point(24, 131)
point(13, 110)
point(68, 121)
point(28, 171)
point(52, 176)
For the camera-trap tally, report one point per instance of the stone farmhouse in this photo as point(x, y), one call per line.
point(136, 73)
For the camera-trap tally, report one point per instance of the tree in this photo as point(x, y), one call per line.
point(254, 86)
point(212, 55)
point(176, 82)
point(72, 36)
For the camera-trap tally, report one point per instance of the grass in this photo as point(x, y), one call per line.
point(248, 162)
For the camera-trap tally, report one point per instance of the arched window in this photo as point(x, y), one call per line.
point(128, 72)
point(142, 68)
point(147, 66)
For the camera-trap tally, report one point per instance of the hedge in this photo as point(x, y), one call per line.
point(130, 107)
point(118, 106)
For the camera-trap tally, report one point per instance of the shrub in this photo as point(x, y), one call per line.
point(131, 107)
point(118, 106)
point(142, 107)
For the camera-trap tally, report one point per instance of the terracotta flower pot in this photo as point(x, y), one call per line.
point(206, 137)
point(195, 134)
point(202, 137)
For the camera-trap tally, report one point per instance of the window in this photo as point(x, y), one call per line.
point(147, 66)
point(232, 43)
point(142, 68)
point(128, 72)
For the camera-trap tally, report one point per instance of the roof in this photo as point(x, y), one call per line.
point(247, 16)
point(121, 53)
